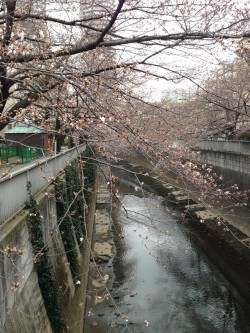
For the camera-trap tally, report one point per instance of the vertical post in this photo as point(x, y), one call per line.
point(55, 145)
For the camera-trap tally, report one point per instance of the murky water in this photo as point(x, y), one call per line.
point(163, 282)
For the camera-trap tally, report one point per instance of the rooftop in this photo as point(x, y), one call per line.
point(23, 129)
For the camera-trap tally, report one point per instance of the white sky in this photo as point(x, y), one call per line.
point(175, 59)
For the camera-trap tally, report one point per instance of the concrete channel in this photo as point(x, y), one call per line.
point(231, 254)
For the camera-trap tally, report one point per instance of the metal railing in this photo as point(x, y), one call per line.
point(13, 193)
point(21, 154)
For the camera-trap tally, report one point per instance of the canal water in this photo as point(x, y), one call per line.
point(162, 282)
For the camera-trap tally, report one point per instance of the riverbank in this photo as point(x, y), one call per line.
point(225, 245)
point(121, 288)
point(101, 274)
point(230, 211)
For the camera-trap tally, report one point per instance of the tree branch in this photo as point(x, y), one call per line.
point(133, 40)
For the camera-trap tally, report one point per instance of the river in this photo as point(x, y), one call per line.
point(162, 282)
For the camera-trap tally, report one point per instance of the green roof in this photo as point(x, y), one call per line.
point(23, 129)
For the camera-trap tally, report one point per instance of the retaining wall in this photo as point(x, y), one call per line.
point(13, 194)
point(237, 146)
point(234, 167)
point(22, 309)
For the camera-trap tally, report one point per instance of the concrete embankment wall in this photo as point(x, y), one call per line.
point(22, 307)
point(235, 169)
point(230, 157)
point(237, 146)
point(233, 166)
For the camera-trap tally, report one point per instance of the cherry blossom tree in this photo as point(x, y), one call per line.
point(78, 67)
point(220, 105)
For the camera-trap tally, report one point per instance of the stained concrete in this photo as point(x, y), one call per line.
point(103, 198)
point(102, 225)
point(177, 193)
point(168, 187)
point(205, 215)
point(102, 249)
point(194, 207)
point(101, 270)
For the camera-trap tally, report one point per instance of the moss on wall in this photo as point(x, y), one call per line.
point(74, 187)
point(46, 278)
point(89, 170)
point(59, 296)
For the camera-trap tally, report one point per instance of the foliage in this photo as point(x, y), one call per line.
point(74, 73)
point(80, 69)
point(71, 195)
point(43, 266)
point(224, 99)
point(89, 172)
point(65, 224)
point(74, 196)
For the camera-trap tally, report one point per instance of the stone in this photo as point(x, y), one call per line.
point(102, 219)
point(177, 193)
point(205, 215)
point(103, 249)
point(194, 207)
point(103, 258)
point(102, 230)
point(102, 224)
point(182, 198)
point(100, 282)
point(103, 198)
point(168, 187)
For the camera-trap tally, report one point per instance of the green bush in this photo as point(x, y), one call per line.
point(89, 171)
point(46, 278)
point(71, 200)
point(66, 226)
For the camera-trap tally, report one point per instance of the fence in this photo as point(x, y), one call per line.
point(13, 193)
point(22, 154)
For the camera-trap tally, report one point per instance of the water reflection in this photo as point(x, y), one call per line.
point(167, 281)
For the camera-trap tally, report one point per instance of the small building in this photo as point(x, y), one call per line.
point(22, 144)
point(26, 136)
